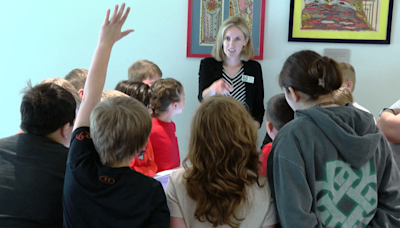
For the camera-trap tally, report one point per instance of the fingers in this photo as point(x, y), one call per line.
point(125, 33)
point(125, 15)
point(107, 17)
point(120, 12)
point(114, 15)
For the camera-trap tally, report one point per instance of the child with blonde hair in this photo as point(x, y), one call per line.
point(168, 99)
point(100, 190)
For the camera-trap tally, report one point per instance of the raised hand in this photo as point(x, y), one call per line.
point(111, 28)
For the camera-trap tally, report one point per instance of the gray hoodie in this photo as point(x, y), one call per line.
point(332, 167)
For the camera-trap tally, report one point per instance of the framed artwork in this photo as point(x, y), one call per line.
point(341, 21)
point(206, 16)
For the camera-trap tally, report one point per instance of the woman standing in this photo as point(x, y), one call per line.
point(231, 72)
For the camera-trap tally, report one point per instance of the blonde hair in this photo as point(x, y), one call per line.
point(143, 69)
point(66, 85)
point(119, 127)
point(112, 93)
point(77, 77)
point(247, 52)
point(164, 93)
point(224, 160)
point(342, 96)
point(348, 73)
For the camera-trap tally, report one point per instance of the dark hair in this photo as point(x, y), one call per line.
point(165, 92)
point(45, 108)
point(77, 77)
point(135, 89)
point(310, 73)
point(278, 111)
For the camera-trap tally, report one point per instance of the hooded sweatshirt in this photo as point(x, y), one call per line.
point(332, 167)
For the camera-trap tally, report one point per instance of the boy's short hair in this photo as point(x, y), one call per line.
point(119, 127)
point(348, 72)
point(135, 89)
point(278, 111)
point(46, 108)
point(66, 85)
point(143, 69)
point(111, 93)
point(77, 77)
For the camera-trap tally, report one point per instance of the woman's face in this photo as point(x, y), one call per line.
point(234, 41)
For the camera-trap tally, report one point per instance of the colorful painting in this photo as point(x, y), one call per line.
point(345, 21)
point(206, 16)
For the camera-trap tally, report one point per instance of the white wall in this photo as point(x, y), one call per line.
point(42, 38)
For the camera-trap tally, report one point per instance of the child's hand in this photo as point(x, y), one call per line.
point(111, 28)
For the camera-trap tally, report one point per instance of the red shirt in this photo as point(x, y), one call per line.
point(165, 145)
point(143, 162)
point(264, 159)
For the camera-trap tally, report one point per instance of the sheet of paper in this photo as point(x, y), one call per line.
point(340, 55)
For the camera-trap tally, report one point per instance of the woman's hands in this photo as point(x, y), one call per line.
point(218, 87)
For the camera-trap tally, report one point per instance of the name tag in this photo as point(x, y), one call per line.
point(248, 79)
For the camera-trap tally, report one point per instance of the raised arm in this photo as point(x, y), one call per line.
point(109, 34)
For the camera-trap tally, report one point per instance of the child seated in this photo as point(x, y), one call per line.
point(221, 187)
point(168, 99)
point(143, 162)
point(278, 113)
point(100, 189)
point(32, 164)
point(144, 71)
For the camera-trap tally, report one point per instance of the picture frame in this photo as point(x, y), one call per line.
point(341, 21)
point(205, 17)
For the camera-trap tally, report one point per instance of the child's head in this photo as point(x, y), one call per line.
point(144, 71)
point(310, 73)
point(106, 94)
point(247, 52)
point(343, 96)
point(135, 89)
point(222, 149)
point(167, 96)
point(77, 77)
point(278, 113)
point(119, 127)
point(349, 76)
point(46, 108)
point(66, 85)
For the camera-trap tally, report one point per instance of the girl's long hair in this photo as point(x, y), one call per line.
point(224, 160)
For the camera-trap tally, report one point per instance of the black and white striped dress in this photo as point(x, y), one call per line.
point(239, 88)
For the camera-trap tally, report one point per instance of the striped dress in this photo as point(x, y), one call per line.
point(239, 88)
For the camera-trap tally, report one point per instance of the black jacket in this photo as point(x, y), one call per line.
point(211, 71)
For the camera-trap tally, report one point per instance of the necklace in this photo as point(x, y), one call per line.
point(326, 103)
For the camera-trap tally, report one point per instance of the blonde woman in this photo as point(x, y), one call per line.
point(221, 186)
point(231, 71)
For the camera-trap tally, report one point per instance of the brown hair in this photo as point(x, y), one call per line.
point(77, 77)
point(119, 127)
point(348, 73)
point(164, 93)
point(343, 96)
point(66, 85)
point(310, 73)
point(138, 90)
point(278, 111)
point(143, 69)
point(247, 51)
point(224, 160)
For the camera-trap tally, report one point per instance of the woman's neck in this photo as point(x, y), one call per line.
point(233, 62)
